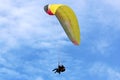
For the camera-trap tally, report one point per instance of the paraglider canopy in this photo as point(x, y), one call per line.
point(67, 19)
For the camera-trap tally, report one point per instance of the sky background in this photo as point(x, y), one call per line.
point(31, 40)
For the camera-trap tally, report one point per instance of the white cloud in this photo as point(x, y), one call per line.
point(102, 70)
point(101, 46)
point(11, 74)
point(115, 3)
point(24, 24)
point(39, 78)
point(4, 62)
point(8, 71)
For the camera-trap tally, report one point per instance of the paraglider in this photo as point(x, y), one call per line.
point(60, 69)
point(67, 19)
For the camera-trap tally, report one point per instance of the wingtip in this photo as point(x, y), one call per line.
point(76, 43)
point(47, 10)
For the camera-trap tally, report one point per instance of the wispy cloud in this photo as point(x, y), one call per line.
point(24, 24)
point(102, 70)
point(115, 4)
point(100, 26)
point(101, 46)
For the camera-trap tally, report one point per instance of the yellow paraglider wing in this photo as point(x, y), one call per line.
point(67, 19)
point(69, 22)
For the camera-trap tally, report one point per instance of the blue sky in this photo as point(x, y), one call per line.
point(30, 41)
